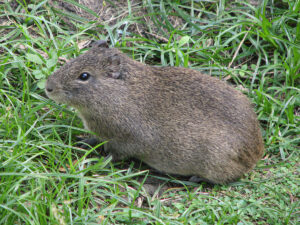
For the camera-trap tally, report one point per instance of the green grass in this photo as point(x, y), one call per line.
point(46, 179)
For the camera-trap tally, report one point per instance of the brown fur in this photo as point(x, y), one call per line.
point(177, 120)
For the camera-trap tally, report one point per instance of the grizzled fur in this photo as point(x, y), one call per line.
point(177, 120)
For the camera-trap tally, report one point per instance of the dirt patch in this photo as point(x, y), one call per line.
point(145, 24)
point(139, 17)
point(111, 12)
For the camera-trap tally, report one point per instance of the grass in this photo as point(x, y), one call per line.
point(46, 179)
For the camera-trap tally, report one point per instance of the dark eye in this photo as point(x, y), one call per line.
point(84, 76)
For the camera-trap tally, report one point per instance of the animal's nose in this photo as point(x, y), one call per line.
point(49, 87)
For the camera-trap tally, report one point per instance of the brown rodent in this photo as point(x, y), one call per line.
point(177, 120)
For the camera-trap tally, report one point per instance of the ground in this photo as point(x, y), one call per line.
point(47, 179)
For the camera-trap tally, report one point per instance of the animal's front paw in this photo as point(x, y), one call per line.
point(87, 143)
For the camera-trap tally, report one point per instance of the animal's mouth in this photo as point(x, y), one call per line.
point(58, 96)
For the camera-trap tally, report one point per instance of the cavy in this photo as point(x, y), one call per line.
point(177, 120)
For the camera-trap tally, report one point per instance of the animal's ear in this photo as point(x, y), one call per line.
point(99, 44)
point(114, 67)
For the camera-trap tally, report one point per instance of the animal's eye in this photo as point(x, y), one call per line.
point(84, 76)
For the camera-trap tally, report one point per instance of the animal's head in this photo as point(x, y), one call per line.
point(98, 72)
